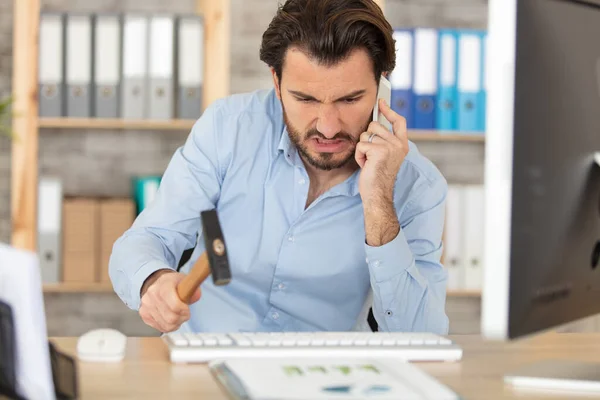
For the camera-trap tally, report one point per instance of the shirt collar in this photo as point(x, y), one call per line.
point(285, 144)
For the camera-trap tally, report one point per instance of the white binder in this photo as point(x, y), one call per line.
point(161, 67)
point(135, 67)
point(79, 65)
point(454, 243)
point(107, 65)
point(474, 236)
point(50, 228)
point(51, 65)
point(190, 66)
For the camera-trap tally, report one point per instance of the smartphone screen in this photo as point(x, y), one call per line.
point(383, 92)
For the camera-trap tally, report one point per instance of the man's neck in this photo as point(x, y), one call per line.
point(329, 178)
point(321, 180)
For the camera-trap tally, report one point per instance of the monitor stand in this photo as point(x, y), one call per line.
point(557, 375)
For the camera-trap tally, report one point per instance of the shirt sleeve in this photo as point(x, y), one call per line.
point(407, 277)
point(171, 223)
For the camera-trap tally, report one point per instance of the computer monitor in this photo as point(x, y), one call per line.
point(542, 178)
point(21, 289)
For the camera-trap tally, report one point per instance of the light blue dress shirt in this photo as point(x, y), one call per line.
point(293, 269)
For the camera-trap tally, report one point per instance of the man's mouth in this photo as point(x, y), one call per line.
point(328, 141)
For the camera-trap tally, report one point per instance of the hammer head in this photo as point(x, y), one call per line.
point(216, 250)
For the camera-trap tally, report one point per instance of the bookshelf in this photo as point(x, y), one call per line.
point(464, 293)
point(27, 125)
point(77, 288)
point(182, 124)
point(98, 123)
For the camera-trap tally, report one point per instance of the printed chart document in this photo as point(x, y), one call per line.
point(316, 379)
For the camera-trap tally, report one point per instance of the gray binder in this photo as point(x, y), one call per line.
point(190, 66)
point(160, 67)
point(78, 59)
point(50, 228)
point(51, 65)
point(106, 81)
point(134, 83)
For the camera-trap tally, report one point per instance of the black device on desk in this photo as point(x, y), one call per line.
point(8, 374)
point(542, 238)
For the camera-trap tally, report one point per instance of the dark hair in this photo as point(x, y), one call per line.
point(327, 31)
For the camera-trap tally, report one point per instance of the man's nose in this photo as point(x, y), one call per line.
point(329, 123)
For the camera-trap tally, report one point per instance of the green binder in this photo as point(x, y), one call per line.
point(144, 190)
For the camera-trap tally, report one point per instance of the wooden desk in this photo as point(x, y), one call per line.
point(146, 373)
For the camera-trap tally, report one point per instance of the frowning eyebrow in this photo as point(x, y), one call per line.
point(309, 97)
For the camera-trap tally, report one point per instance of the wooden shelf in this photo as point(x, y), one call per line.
point(108, 123)
point(441, 136)
point(184, 124)
point(463, 293)
point(77, 287)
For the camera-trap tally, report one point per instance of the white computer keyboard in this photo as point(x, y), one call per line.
point(204, 347)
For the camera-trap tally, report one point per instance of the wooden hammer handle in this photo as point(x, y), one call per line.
point(191, 282)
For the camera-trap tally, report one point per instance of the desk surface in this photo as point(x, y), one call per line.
point(146, 372)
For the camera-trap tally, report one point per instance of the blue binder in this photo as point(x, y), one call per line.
point(469, 81)
point(425, 77)
point(446, 110)
point(482, 99)
point(402, 76)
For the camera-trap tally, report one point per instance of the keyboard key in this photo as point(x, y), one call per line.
point(193, 339)
point(177, 339)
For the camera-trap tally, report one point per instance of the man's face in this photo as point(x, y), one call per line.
point(327, 108)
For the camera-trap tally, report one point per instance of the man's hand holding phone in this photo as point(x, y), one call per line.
point(380, 153)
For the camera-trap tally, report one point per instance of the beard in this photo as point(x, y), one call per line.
point(322, 161)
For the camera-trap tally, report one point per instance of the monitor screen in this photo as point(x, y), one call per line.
point(542, 182)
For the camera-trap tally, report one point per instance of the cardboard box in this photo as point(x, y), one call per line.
point(80, 240)
point(116, 217)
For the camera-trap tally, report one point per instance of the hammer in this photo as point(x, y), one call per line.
point(213, 259)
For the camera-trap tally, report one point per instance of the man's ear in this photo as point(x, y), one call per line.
point(276, 83)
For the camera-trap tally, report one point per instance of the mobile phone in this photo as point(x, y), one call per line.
point(384, 91)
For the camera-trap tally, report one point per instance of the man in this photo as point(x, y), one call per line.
point(319, 206)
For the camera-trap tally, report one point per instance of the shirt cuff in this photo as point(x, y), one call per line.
point(390, 259)
point(140, 277)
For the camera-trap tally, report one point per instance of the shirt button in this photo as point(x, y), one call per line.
point(281, 286)
point(376, 263)
point(302, 181)
point(275, 315)
point(291, 238)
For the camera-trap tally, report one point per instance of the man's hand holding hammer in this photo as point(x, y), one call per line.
point(166, 294)
point(161, 307)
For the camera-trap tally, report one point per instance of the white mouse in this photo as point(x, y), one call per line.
point(102, 345)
